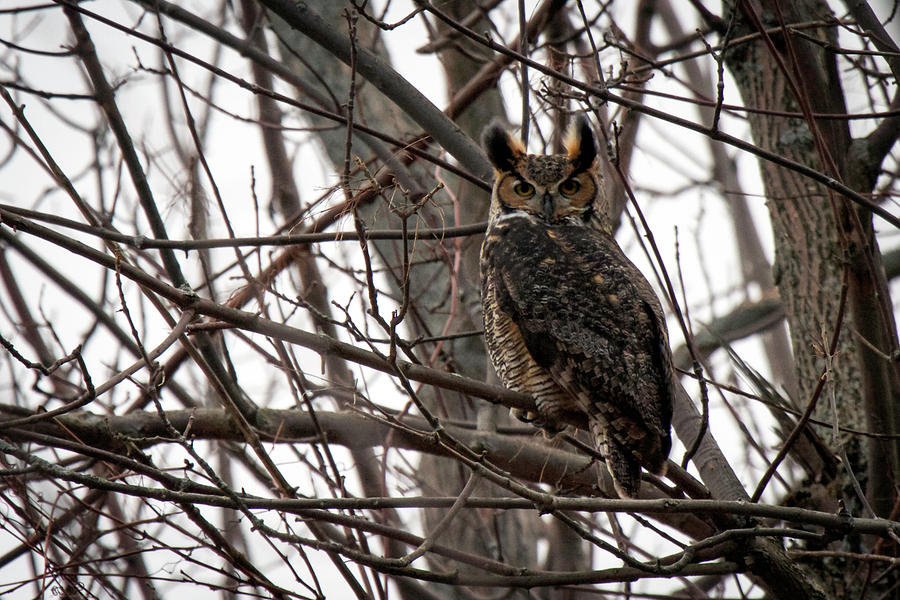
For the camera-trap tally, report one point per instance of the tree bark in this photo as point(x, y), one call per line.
point(827, 264)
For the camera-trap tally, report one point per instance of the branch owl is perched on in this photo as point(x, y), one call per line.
point(568, 319)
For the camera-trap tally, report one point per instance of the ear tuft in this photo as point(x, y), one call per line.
point(502, 149)
point(580, 144)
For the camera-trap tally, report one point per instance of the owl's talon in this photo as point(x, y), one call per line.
point(535, 418)
point(524, 415)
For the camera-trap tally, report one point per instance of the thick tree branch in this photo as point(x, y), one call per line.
point(428, 116)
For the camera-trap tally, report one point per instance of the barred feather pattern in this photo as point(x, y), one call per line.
point(568, 318)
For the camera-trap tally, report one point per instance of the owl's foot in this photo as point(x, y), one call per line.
point(535, 418)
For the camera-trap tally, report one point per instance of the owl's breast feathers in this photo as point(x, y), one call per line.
point(567, 312)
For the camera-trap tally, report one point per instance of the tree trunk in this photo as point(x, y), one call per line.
point(827, 265)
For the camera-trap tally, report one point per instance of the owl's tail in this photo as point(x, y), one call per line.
point(624, 462)
point(621, 464)
point(625, 470)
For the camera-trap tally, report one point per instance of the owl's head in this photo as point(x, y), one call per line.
point(553, 188)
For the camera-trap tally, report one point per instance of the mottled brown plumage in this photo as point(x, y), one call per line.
point(568, 318)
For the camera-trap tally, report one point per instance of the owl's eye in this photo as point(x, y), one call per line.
point(569, 186)
point(523, 188)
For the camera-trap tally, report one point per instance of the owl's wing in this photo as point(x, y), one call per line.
point(583, 312)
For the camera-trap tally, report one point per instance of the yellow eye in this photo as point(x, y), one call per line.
point(569, 186)
point(523, 188)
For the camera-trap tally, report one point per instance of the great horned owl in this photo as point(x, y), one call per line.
point(568, 318)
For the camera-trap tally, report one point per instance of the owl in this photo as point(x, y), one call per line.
point(568, 319)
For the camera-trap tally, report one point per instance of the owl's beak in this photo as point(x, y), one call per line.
point(548, 206)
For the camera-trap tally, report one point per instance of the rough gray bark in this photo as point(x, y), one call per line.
point(828, 266)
